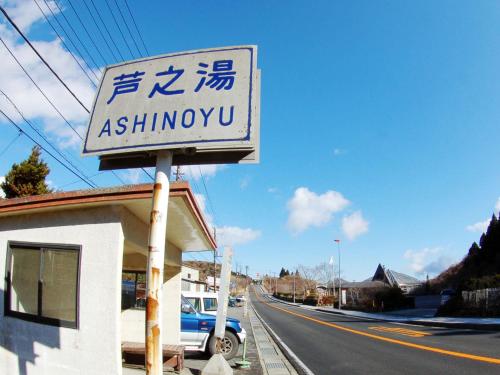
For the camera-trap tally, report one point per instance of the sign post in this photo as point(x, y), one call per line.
point(193, 107)
point(156, 256)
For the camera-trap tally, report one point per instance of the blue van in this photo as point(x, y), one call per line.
point(197, 332)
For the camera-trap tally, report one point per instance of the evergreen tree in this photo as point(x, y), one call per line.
point(27, 178)
point(282, 272)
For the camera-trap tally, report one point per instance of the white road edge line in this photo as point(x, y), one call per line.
point(289, 351)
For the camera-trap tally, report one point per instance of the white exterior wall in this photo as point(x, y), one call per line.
point(94, 347)
point(191, 274)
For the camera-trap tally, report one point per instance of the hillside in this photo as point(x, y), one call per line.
point(481, 266)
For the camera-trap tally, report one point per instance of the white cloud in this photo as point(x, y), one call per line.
point(482, 226)
point(338, 152)
point(132, 176)
point(227, 235)
point(202, 204)
point(428, 260)
point(195, 172)
point(244, 182)
point(307, 208)
point(354, 225)
point(272, 190)
point(21, 90)
point(25, 13)
point(479, 227)
point(232, 236)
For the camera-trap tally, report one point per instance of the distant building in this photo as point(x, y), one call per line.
point(384, 277)
point(404, 282)
point(210, 283)
point(191, 280)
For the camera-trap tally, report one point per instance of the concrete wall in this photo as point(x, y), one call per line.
point(94, 347)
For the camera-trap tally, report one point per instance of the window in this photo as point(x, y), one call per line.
point(42, 283)
point(210, 304)
point(195, 301)
point(133, 290)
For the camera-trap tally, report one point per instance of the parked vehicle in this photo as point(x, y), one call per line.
point(446, 294)
point(197, 332)
point(203, 302)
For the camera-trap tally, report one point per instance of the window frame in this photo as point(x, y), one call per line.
point(39, 318)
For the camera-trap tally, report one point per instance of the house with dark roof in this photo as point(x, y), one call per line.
point(404, 282)
point(385, 277)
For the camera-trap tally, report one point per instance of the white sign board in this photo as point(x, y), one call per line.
point(205, 99)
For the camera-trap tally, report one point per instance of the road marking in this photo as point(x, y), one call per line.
point(401, 331)
point(474, 357)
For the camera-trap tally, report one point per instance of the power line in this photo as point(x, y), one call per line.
point(126, 25)
point(47, 98)
point(76, 34)
point(38, 87)
point(119, 28)
point(43, 148)
point(100, 31)
point(40, 56)
point(11, 143)
point(88, 34)
point(74, 182)
point(135, 24)
point(45, 139)
point(208, 195)
point(105, 28)
point(71, 40)
point(57, 76)
point(65, 46)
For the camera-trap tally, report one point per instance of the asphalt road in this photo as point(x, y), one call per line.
point(335, 344)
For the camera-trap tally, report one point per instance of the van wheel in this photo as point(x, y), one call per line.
point(229, 347)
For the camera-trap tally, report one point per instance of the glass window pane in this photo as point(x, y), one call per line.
point(25, 268)
point(59, 277)
point(210, 304)
point(128, 290)
point(195, 302)
point(140, 296)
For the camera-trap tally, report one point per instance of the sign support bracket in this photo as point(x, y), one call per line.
point(156, 260)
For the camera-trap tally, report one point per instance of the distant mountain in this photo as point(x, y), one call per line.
point(481, 266)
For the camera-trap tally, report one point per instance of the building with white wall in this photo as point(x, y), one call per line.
point(73, 264)
point(191, 280)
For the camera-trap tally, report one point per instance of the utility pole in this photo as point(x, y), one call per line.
point(275, 283)
point(215, 271)
point(340, 280)
point(178, 173)
point(294, 275)
point(246, 275)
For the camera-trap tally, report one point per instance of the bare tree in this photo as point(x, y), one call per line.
point(308, 277)
point(326, 275)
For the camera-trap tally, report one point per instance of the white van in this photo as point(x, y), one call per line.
point(204, 302)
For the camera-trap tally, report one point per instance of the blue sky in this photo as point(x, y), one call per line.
point(379, 124)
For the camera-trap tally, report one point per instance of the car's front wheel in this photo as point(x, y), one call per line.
point(229, 347)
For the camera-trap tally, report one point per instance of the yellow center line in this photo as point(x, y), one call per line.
point(474, 357)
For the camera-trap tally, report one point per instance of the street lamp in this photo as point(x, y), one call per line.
point(340, 280)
